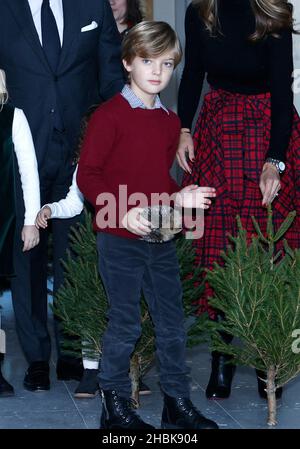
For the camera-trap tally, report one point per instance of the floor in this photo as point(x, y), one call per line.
point(58, 409)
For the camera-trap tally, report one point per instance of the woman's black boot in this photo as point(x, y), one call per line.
point(219, 385)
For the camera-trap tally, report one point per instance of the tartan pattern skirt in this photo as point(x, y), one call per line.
point(231, 140)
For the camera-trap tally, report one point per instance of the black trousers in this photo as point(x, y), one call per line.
point(127, 267)
point(29, 286)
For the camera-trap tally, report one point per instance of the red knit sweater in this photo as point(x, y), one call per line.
point(130, 147)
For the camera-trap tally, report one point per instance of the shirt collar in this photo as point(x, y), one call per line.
point(136, 102)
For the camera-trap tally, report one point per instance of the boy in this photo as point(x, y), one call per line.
point(69, 207)
point(131, 142)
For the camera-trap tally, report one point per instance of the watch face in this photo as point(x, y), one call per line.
point(281, 166)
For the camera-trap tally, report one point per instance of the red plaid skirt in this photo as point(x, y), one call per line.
point(231, 141)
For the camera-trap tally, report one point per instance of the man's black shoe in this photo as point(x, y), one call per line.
point(68, 369)
point(118, 413)
point(180, 413)
point(37, 377)
point(5, 388)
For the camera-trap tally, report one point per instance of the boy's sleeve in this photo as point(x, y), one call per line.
point(97, 147)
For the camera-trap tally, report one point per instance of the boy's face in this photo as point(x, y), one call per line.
point(149, 76)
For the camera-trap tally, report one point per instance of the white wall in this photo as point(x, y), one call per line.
point(297, 55)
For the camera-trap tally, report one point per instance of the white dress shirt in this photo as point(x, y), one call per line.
point(57, 9)
point(70, 206)
point(25, 152)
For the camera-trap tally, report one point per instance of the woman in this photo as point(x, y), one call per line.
point(127, 13)
point(15, 136)
point(242, 144)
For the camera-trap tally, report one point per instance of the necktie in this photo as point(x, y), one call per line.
point(50, 35)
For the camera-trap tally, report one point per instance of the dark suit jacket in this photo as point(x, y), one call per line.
point(7, 203)
point(89, 68)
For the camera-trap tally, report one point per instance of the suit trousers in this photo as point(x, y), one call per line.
point(29, 286)
point(128, 267)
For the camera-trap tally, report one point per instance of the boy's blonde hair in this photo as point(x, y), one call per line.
point(150, 39)
point(3, 90)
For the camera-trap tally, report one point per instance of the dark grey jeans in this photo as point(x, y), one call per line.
point(127, 267)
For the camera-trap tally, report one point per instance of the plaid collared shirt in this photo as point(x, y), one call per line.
point(136, 102)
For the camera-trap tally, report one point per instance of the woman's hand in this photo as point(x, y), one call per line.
point(30, 236)
point(134, 222)
point(186, 145)
point(42, 217)
point(269, 183)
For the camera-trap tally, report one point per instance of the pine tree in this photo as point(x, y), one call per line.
point(258, 290)
point(81, 302)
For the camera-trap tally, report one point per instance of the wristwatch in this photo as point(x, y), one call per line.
point(278, 164)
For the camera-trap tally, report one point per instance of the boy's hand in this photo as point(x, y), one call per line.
point(194, 196)
point(134, 222)
point(42, 217)
point(30, 236)
point(186, 145)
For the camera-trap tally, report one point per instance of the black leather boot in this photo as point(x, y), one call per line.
point(5, 388)
point(180, 413)
point(261, 385)
point(118, 413)
point(219, 384)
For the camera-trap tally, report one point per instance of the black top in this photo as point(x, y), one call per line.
point(235, 64)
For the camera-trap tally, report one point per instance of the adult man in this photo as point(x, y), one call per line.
point(59, 57)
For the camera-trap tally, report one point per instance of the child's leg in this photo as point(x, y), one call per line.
point(89, 363)
point(163, 292)
point(89, 360)
point(5, 388)
point(88, 386)
point(121, 265)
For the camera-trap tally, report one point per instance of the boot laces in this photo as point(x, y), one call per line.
point(188, 407)
point(124, 406)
